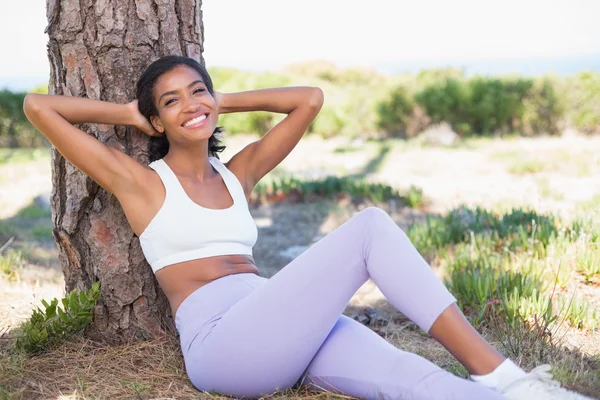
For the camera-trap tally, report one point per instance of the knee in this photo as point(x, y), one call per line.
point(376, 221)
point(374, 216)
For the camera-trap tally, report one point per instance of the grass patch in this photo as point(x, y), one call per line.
point(33, 211)
point(524, 167)
point(505, 264)
point(516, 230)
point(301, 190)
point(42, 231)
point(11, 262)
point(588, 264)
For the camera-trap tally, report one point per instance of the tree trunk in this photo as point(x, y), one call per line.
point(98, 49)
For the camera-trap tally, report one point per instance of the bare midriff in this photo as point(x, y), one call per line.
point(180, 280)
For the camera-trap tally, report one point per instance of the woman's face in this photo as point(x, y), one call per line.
point(186, 109)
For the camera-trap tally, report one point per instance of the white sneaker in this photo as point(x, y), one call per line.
point(539, 385)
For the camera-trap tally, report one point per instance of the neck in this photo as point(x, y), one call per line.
point(190, 161)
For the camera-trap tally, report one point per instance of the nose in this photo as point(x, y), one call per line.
point(191, 104)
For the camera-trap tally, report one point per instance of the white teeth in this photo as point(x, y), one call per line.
point(195, 120)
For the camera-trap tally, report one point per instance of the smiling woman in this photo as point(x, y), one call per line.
point(241, 334)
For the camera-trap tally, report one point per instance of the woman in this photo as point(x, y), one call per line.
point(241, 334)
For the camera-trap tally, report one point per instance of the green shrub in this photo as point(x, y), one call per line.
point(543, 109)
point(394, 112)
point(584, 101)
point(446, 100)
point(53, 324)
point(15, 129)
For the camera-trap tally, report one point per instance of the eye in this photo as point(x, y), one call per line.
point(198, 90)
point(170, 101)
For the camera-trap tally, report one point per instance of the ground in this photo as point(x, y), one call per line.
point(556, 175)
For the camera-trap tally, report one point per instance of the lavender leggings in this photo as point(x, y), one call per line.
point(247, 336)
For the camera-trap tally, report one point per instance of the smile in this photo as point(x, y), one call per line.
point(195, 122)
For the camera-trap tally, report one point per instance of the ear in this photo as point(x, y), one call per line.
point(155, 121)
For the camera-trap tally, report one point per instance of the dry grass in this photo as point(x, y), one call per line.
point(82, 369)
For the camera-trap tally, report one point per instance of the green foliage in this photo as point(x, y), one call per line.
point(53, 324)
point(579, 312)
point(499, 266)
point(523, 167)
point(6, 232)
point(33, 212)
point(14, 156)
point(584, 101)
point(363, 103)
point(11, 261)
point(522, 230)
point(306, 190)
point(15, 129)
point(447, 100)
point(479, 106)
point(395, 112)
point(480, 280)
point(42, 231)
point(588, 264)
point(543, 108)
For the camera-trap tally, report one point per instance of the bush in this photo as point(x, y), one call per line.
point(543, 109)
point(54, 324)
point(584, 101)
point(447, 100)
point(15, 129)
point(394, 112)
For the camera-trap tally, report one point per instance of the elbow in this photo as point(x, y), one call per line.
point(316, 98)
point(31, 104)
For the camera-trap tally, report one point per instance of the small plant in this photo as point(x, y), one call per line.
point(306, 190)
point(588, 264)
point(414, 197)
point(517, 230)
point(54, 324)
point(579, 313)
point(10, 263)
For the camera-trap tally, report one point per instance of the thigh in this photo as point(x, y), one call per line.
point(355, 361)
point(267, 339)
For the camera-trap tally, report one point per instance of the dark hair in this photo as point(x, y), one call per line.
point(159, 146)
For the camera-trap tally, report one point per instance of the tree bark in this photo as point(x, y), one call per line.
point(98, 49)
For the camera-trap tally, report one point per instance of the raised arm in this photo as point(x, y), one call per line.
point(54, 117)
point(301, 104)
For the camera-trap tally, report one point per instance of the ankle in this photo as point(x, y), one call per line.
point(501, 376)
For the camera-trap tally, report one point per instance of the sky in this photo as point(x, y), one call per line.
point(524, 36)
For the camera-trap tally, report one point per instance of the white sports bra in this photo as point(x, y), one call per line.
point(183, 230)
